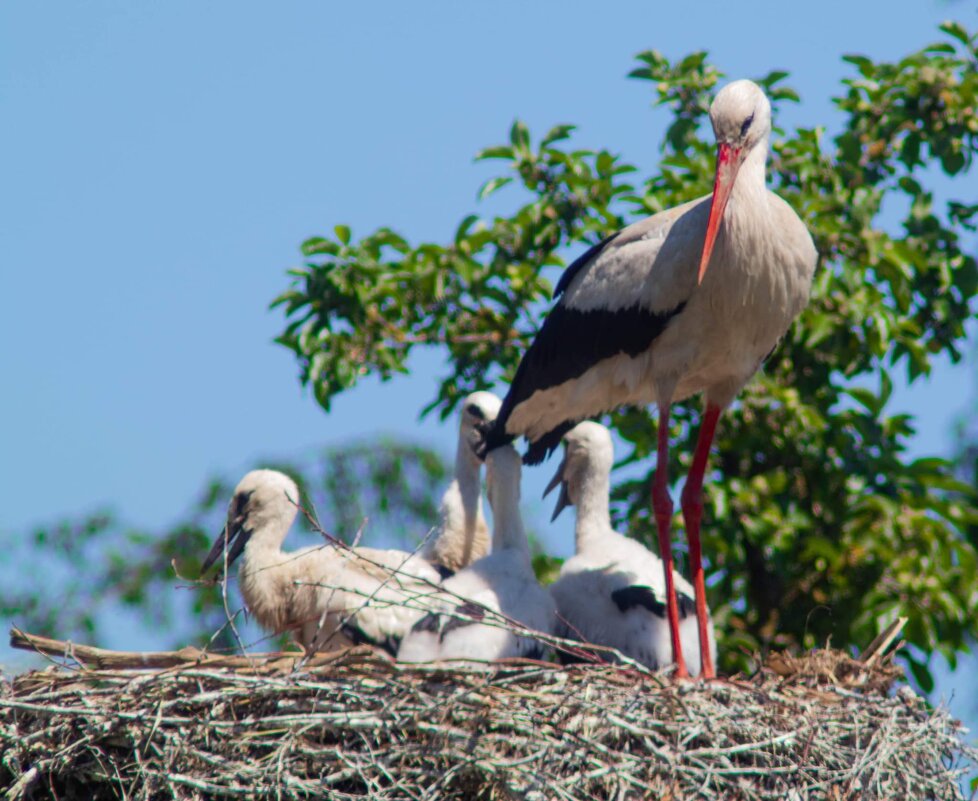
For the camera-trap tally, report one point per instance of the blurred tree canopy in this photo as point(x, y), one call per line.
point(819, 525)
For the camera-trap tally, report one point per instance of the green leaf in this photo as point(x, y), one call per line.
point(463, 227)
point(493, 184)
point(956, 30)
point(499, 152)
point(317, 245)
point(886, 388)
point(557, 134)
point(519, 135)
point(865, 66)
point(922, 676)
point(772, 78)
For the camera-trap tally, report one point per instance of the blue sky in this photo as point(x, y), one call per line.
point(161, 162)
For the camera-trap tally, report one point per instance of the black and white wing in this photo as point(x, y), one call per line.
point(614, 300)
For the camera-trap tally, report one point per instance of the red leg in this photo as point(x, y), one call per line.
point(692, 503)
point(662, 506)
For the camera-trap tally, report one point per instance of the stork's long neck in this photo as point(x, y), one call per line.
point(467, 468)
point(748, 222)
point(459, 537)
point(266, 527)
point(750, 188)
point(263, 565)
point(507, 524)
point(593, 517)
point(264, 546)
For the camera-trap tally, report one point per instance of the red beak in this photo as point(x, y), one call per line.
point(729, 160)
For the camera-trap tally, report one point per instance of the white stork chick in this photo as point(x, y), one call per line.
point(501, 583)
point(326, 595)
point(331, 596)
point(275, 585)
point(612, 592)
point(689, 300)
point(461, 535)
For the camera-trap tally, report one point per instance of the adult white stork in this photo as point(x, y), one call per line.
point(468, 624)
point(611, 592)
point(689, 300)
point(332, 596)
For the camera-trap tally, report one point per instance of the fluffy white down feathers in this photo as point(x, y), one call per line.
point(329, 595)
point(477, 603)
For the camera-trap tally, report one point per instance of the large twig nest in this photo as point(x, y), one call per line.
point(356, 725)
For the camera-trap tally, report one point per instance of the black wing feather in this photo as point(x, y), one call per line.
point(359, 637)
point(687, 606)
point(473, 614)
point(466, 614)
point(568, 344)
point(636, 596)
point(537, 651)
point(568, 658)
point(429, 622)
point(644, 597)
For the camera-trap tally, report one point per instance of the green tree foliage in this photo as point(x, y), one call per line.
point(820, 526)
point(385, 490)
point(966, 448)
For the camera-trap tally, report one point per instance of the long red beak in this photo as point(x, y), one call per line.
point(729, 160)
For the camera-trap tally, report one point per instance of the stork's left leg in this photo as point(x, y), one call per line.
point(692, 503)
point(662, 507)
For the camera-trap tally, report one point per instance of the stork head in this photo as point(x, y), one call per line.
point(479, 411)
point(741, 118)
point(265, 501)
point(588, 451)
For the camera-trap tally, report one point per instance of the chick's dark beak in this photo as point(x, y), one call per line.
point(563, 499)
point(234, 542)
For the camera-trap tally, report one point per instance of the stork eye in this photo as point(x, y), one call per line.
point(240, 502)
point(475, 411)
point(746, 126)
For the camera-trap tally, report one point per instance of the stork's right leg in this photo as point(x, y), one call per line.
point(692, 503)
point(662, 507)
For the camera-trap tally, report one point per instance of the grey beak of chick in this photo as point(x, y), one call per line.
point(232, 538)
point(563, 500)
